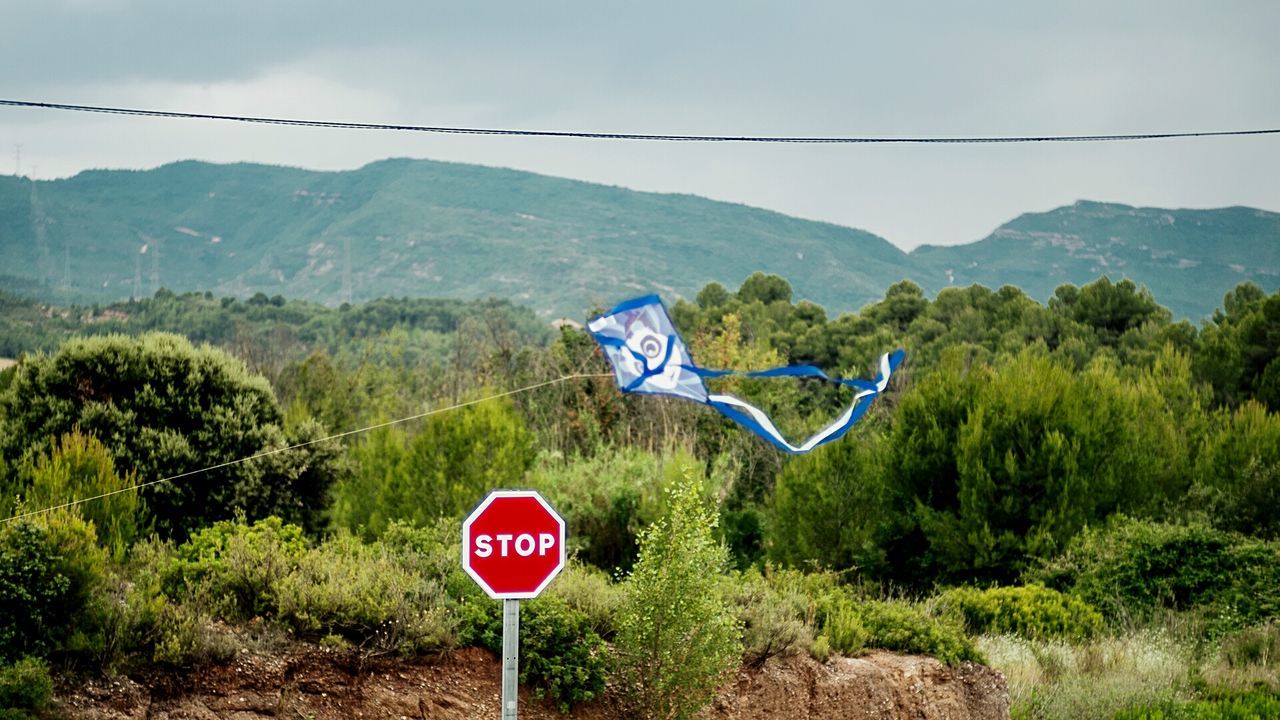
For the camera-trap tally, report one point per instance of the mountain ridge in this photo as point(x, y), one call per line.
point(425, 228)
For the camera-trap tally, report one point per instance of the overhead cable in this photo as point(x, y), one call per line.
point(583, 135)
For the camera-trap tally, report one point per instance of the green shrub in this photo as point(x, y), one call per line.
point(1031, 611)
point(25, 688)
point(1258, 646)
point(163, 406)
point(605, 500)
point(133, 605)
point(826, 506)
point(561, 655)
point(851, 625)
point(50, 573)
point(79, 466)
point(842, 626)
point(237, 562)
point(1237, 472)
point(442, 471)
point(564, 658)
point(820, 649)
point(183, 634)
point(588, 590)
point(1245, 706)
point(678, 637)
point(902, 627)
point(365, 593)
point(1134, 566)
point(432, 552)
point(989, 470)
point(774, 612)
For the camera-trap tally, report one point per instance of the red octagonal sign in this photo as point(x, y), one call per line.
point(513, 544)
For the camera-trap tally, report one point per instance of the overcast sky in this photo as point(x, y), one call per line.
point(725, 67)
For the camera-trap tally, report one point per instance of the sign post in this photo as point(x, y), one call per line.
point(512, 546)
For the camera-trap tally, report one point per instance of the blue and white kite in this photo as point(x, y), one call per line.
point(648, 356)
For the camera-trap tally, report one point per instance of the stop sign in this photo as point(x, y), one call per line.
point(513, 544)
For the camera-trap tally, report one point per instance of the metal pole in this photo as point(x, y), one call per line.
point(510, 657)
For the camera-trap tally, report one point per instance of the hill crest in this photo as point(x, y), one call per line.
point(425, 228)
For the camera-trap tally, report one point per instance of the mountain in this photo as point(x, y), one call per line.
point(1188, 258)
point(422, 228)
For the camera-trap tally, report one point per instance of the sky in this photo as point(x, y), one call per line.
point(735, 67)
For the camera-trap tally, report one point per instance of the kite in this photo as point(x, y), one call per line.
point(648, 356)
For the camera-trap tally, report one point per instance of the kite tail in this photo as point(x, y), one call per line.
point(756, 420)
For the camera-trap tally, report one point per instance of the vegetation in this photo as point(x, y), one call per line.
point(677, 636)
point(1077, 492)
point(164, 407)
point(414, 227)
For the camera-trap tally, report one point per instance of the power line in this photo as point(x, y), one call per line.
point(799, 139)
point(275, 451)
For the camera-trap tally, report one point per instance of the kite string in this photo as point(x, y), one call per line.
point(336, 436)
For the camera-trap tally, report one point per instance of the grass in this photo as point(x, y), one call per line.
point(1052, 680)
point(1167, 663)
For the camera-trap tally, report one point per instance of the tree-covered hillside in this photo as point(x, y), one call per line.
point(1188, 258)
point(415, 228)
point(418, 228)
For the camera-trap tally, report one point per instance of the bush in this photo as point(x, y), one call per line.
point(562, 657)
point(1245, 706)
point(1258, 646)
point(236, 562)
point(774, 612)
point(432, 552)
point(365, 593)
point(989, 470)
point(1030, 611)
point(826, 506)
point(443, 471)
point(132, 607)
point(50, 573)
point(678, 637)
point(164, 407)
point(79, 466)
point(25, 688)
point(588, 590)
point(841, 623)
point(183, 635)
point(605, 500)
point(1133, 566)
point(902, 627)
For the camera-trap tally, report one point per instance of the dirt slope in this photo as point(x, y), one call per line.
point(313, 684)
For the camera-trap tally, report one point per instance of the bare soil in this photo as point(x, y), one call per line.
point(311, 683)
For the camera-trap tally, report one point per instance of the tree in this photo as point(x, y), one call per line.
point(80, 466)
point(1238, 473)
point(1047, 452)
point(164, 408)
point(995, 468)
point(826, 506)
point(1240, 349)
point(1109, 308)
point(678, 637)
point(443, 471)
point(764, 288)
